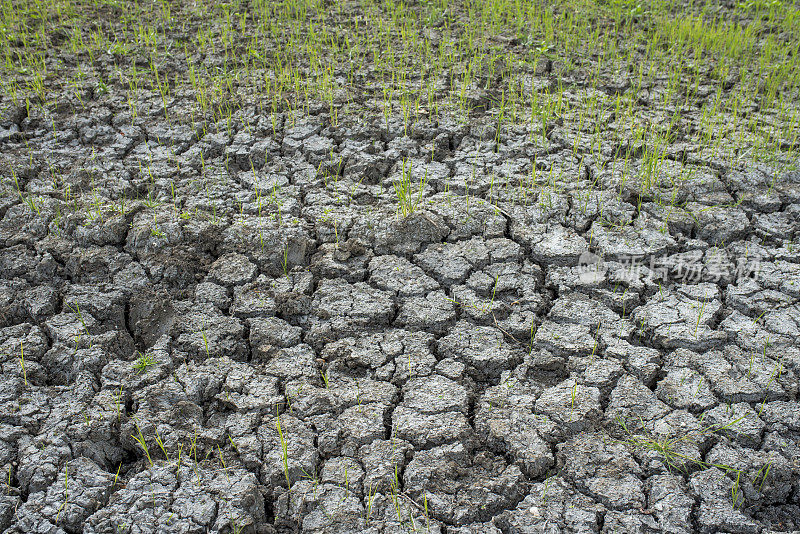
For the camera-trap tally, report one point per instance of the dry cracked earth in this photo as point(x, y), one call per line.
point(236, 330)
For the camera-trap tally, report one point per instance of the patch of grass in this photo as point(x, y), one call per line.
point(721, 80)
point(284, 450)
point(144, 362)
point(139, 438)
point(408, 201)
point(668, 449)
point(22, 364)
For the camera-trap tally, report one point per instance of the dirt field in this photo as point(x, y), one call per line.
point(458, 267)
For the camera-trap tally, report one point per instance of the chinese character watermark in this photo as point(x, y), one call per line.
point(684, 268)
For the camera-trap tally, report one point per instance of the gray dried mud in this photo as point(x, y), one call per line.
point(214, 330)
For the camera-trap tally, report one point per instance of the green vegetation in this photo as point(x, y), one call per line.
point(641, 74)
point(144, 362)
point(408, 201)
point(649, 99)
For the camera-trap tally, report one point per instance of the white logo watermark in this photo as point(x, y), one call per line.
point(682, 268)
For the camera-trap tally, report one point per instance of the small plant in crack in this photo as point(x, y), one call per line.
point(236, 528)
point(547, 483)
point(407, 201)
point(117, 398)
point(700, 316)
point(290, 397)
point(116, 476)
point(285, 261)
point(594, 348)
point(156, 231)
point(427, 515)
point(667, 448)
point(775, 376)
point(160, 443)
point(762, 473)
point(699, 385)
point(193, 453)
point(370, 501)
point(395, 495)
point(142, 363)
point(222, 463)
point(180, 456)
point(736, 491)
point(22, 364)
point(284, 449)
point(76, 309)
point(141, 441)
point(533, 336)
point(572, 399)
point(66, 491)
point(205, 342)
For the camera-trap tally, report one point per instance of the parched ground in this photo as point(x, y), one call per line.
point(449, 267)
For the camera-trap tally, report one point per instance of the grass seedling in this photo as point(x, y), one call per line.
point(66, 491)
point(180, 456)
point(205, 343)
point(370, 500)
point(699, 317)
point(763, 473)
point(407, 201)
point(594, 348)
point(143, 362)
point(285, 261)
point(235, 527)
point(572, 399)
point(22, 364)
point(76, 309)
point(222, 462)
point(141, 441)
point(547, 483)
point(667, 448)
point(736, 490)
point(427, 516)
point(394, 495)
point(161, 444)
point(284, 450)
point(116, 476)
point(193, 453)
point(117, 398)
